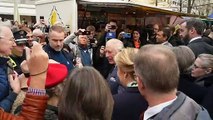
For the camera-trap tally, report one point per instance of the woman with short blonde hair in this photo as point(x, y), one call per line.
point(129, 104)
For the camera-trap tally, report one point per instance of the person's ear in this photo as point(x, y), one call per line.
point(140, 83)
point(208, 70)
point(192, 30)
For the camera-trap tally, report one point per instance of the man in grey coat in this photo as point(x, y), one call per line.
point(158, 81)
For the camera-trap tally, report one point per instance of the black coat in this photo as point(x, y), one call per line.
point(205, 81)
point(208, 40)
point(208, 101)
point(18, 60)
point(67, 60)
point(198, 46)
point(188, 87)
point(128, 105)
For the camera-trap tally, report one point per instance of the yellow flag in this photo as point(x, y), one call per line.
point(53, 17)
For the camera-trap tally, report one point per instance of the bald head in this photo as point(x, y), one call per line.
point(113, 46)
point(157, 67)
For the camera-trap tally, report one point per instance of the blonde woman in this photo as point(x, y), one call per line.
point(129, 104)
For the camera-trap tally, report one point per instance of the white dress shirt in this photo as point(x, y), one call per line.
point(151, 111)
point(195, 38)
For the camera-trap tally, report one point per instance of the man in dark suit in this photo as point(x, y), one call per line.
point(191, 32)
point(113, 46)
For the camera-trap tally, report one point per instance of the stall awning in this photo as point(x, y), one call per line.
point(133, 6)
point(26, 10)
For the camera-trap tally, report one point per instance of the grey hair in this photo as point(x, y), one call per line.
point(116, 43)
point(6, 24)
point(1, 29)
point(207, 60)
point(185, 58)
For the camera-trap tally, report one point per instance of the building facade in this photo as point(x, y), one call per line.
point(26, 10)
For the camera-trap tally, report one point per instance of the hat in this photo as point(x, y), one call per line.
point(56, 73)
point(20, 36)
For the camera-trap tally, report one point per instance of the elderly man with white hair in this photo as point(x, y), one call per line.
point(113, 46)
point(7, 79)
point(37, 33)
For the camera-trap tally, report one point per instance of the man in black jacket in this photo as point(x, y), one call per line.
point(54, 48)
point(191, 32)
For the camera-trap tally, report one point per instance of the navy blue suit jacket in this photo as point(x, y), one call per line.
point(128, 105)
point(6, 97)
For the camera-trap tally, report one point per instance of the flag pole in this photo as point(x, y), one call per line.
point(16, 16)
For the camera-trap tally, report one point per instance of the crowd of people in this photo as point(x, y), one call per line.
point(152, 73)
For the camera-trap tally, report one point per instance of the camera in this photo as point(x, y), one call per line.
point(41, 17)
point(113, 27)
point(86, 33)
point(110, 35)
point(126, 35)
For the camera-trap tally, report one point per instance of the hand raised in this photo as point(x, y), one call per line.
point(24, 67)
point(38, 61)
point(14, 82)
point(102, 51)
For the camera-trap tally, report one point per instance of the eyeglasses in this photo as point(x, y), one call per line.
point(11, 39)
point(196, 66)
